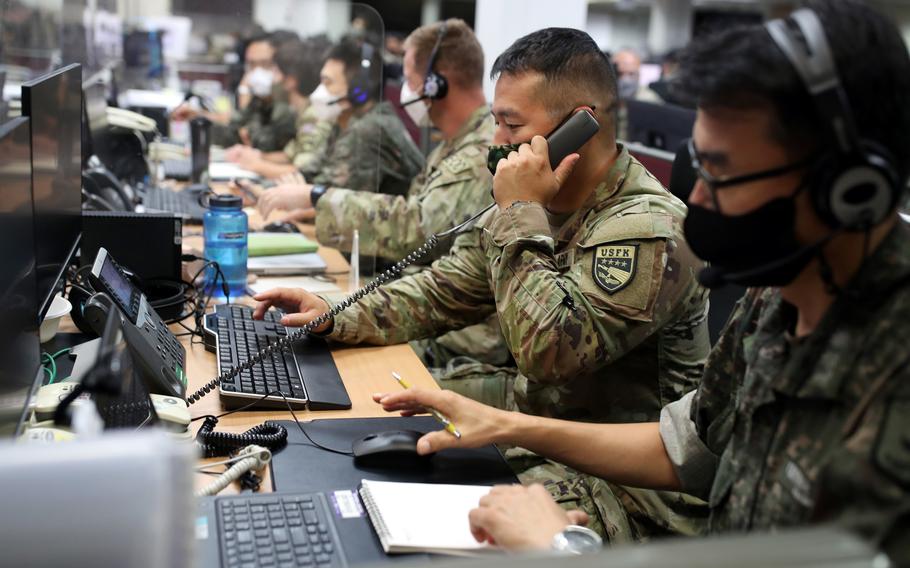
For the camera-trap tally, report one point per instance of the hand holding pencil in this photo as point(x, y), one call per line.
point(468, 424)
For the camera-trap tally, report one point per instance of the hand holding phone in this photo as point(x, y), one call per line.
point(538, 170)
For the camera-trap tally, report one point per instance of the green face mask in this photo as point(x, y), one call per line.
point(501, 152)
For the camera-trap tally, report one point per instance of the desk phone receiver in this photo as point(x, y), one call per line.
point(568, 138)
point(159, 356)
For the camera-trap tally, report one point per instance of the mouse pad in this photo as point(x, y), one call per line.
point(302, 467)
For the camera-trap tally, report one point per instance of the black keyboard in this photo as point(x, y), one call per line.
point(277, 530)
point(239, 337)
point(183, 203)
point(306, 373)
point(177, 169)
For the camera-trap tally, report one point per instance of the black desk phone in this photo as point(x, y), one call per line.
point(570, 136)
point(159, 356)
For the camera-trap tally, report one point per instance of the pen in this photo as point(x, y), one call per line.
point(449, 427)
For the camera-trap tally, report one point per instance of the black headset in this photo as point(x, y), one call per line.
point(361, 85)
point(435, 85)
point(855, 184)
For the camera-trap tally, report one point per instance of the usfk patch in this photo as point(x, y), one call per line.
point(614, 266)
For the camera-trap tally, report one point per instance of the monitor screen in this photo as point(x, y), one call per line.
point(662, 126)
point(19, 346)
point(54, 104)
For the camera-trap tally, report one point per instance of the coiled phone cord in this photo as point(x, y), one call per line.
point(371, 287)
point(213, 444)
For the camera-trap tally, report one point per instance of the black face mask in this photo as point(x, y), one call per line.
point(755, 250)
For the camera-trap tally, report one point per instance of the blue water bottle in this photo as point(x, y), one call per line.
point(225, 227)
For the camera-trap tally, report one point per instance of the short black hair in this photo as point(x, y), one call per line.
point(352, 52)
point(742, 68)
point(570, 62)
point(300, 60)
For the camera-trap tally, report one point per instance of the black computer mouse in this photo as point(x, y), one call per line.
point(277, 227)
point(393, 449)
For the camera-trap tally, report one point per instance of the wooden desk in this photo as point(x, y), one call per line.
point(364, 370)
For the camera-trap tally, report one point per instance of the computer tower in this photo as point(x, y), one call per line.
point(147, 244)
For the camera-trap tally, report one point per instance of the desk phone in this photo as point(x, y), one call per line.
point(157, 352)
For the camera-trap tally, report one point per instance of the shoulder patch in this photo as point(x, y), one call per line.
point(615, 266)
point(892, 447)
point(455, 164)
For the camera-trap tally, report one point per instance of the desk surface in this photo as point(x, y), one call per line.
point(364, 370)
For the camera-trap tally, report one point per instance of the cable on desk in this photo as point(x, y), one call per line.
point(214, 420)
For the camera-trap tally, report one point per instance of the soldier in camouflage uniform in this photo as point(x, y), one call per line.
point(299, 64)
point(264, 120)
point(367, 147)
point(596, 292)
point(454, 184)
point(802, 415)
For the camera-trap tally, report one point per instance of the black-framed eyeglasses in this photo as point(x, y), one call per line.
point(715, 183)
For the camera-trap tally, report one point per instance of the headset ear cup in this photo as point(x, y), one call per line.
point(435, 86)
point(854, 193)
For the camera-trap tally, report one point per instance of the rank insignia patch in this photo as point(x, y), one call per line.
point(614, 266)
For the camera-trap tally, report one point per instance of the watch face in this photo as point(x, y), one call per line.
point(578, 540)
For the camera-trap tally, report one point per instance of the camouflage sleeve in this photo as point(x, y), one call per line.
point(624, 284)
point(274, 134)
point(452, 294)
point(354, 162)
point(713, 406)
point(394, 226)
point(311, 140)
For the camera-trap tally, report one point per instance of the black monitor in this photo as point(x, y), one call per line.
point(54, 104)
point(19, 344)
point(658, 125)
point(94, 130)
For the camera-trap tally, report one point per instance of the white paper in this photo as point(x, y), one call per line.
point(308, 283)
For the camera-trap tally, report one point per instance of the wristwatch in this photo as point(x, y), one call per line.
point(317, 192)
point(576, 540)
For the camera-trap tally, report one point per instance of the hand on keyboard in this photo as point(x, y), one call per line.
point(301, 306)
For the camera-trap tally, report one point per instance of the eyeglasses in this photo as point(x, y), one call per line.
point(714, 183)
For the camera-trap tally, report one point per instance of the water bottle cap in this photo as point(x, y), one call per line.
point(225, 202)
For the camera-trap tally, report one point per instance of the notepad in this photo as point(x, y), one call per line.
point(271, 244)
point(423, 517)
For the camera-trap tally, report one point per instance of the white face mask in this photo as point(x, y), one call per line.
point(416, 109)
point(324, 104)
point(260, 82)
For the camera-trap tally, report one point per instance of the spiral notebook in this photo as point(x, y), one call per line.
point(423, 517)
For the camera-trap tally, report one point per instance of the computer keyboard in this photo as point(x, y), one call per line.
point(277, 530)
point(305, 372)
point(183, 203)
point(239, 337)
point(180, 170)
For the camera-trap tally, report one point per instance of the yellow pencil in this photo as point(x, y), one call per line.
point(449, 426)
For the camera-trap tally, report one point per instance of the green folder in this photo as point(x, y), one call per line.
point(272, 244)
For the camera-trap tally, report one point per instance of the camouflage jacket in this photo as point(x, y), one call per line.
point(454, 185)
point(270, 124)
point(373, 153)
point(785, 431)
point(605, 320)
point(303, 150)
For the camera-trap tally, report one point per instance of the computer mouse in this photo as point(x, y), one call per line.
point(393, 449)
point(277, 227)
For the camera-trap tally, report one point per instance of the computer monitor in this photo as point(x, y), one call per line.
point(94, 131)
point(54, 104)
point(661, 126)
point(19, 344)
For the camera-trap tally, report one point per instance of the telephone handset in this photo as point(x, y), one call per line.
point(568, 138)
point(158, 354)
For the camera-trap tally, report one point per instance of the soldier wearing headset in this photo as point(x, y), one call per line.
point(802, 150)
point(367, 148)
